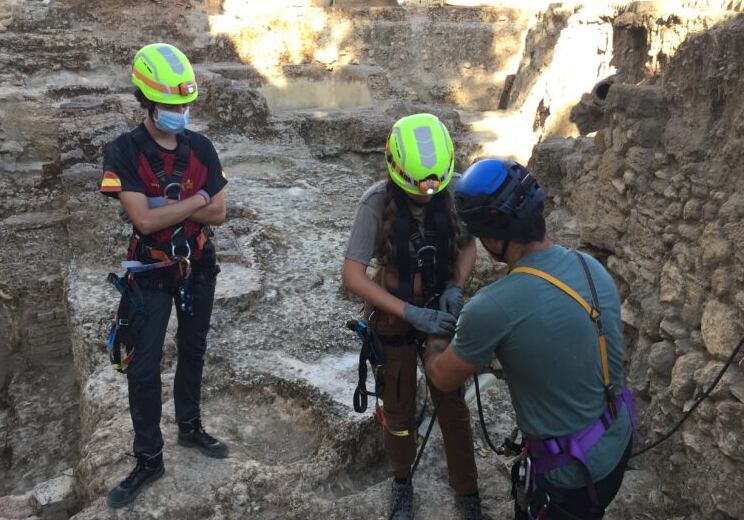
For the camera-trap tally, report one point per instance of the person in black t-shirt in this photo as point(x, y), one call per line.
point(170, 184)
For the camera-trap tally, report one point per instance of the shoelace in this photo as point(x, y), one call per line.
point(201, 433)
point(133, 474)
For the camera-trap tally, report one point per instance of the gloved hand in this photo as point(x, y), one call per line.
point(452, 300)
point(430, 321)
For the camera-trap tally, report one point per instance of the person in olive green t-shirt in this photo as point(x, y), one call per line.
point(545, 341)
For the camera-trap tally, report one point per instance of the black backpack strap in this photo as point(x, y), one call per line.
point(443, 250)
point(183, 152)
point(182, 156)
point(432, 250)
point(145, 143)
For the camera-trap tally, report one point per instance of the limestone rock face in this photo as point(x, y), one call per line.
point(298, 97)
point(235, 106)
point(663, 212)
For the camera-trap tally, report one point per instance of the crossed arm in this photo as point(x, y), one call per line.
point(148, 220)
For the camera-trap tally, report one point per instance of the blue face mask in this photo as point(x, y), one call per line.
point(172, 122)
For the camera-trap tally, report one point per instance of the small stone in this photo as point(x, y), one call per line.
point(674, 328)
point(729, 424)
point(715, 250)
point(11, 147)
point(682, 384)
point(54, 496)
point(661, 358)
point(629, 314)
point(720, 328)
point(618, 185)
point(15, 506)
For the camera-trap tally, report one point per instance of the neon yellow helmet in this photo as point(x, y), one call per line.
point(420, 155)
point(164, 75)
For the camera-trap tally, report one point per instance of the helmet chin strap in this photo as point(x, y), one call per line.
point(500, 257)
point(417, 203)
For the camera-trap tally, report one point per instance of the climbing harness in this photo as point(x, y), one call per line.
point(543, 455)
point(130, 314)
point(171, 188)
point(538, 456)
point(431, 250)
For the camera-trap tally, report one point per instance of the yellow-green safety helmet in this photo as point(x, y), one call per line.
point(164, 75)
point(420, 155)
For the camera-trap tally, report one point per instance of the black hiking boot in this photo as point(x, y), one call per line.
point(470, 506)
point(192, 435)
point(147, 470)
point(401, 501)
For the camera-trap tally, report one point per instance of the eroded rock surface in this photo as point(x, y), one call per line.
point(298, 102)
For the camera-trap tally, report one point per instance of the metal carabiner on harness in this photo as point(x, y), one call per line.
point(175, 254)
point(173, 191)
point(525, 473)
point(424, 250)
point(537, 509)
point(185, 294)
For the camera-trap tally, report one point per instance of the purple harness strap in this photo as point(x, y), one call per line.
point(550, 454)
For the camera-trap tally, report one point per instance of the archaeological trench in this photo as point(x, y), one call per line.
point(630, 114)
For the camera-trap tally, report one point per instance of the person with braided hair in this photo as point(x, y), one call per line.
point(408, 224)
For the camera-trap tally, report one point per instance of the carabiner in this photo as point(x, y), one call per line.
point(184, 260)
point(426, 249)
point(173, 186)
point(174, 252)
point(543, 507)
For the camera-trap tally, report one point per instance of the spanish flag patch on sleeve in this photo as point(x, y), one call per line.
point(110, 183)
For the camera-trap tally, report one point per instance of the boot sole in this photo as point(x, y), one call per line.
point(147, 482)
point(206, 451)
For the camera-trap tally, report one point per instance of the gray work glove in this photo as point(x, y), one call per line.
point(452, 300)
point(430, 321)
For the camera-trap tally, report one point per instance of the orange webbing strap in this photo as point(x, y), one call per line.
point(592, 311)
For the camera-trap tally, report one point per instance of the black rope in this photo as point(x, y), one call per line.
point(426, 439)
point(647, 447)
point(482, 420)
point(421, 449)
point(694, 406)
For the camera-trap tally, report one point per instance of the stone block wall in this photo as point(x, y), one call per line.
point(657, 195)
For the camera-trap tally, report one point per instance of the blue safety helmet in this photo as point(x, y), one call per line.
point(495, 199)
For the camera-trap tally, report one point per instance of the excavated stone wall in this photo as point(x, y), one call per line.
point(656, 194)
point(298, 102)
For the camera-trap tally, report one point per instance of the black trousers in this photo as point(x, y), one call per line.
point(575, 504)
point(143, 374)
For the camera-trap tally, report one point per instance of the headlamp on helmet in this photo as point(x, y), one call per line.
point(420, 155)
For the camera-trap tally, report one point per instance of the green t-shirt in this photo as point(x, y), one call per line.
point(548, 348)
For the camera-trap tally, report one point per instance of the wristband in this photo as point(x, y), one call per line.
point(156, 202)
point(206, 196)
